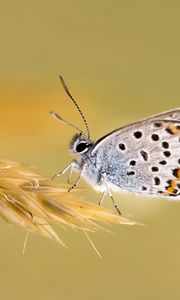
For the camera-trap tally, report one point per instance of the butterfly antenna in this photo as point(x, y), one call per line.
point(57, 117)
point(75, 103)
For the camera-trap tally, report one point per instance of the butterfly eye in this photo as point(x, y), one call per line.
point(81, 147)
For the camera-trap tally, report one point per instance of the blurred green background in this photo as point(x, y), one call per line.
point(121, 60)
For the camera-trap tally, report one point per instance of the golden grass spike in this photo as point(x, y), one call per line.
point(36, 203)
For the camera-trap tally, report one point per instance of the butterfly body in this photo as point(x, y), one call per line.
point(143, 157)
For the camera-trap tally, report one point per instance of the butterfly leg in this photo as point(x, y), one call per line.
point(71, 166)
point(70, 174)
point(76, 183)
point(110, 194)
point(102, 198)
point(114, 203)
point(63, 171)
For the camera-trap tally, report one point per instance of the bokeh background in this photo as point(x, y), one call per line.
point(121, 60)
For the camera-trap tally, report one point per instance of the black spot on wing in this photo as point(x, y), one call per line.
point(157, 180)
point(163, 162)
point(155, 137)
point(122, 146)
point(165, 145)
point(155, 169)
point(132, 162)
point(167, 153)
point(144, 155)
point(130, 173)
point(137, 134)
point(144, 188)
point(157, 124)
point(169, 130)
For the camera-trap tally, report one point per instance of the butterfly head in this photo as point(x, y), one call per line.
point(80, 144)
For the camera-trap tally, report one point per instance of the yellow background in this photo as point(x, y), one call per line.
point(121, 60)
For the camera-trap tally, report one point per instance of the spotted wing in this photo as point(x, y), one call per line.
point(144, 157)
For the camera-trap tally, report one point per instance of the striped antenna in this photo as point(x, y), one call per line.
point(77, 106)
point(59, 118)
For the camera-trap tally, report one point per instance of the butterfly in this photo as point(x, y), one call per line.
point(142, 157)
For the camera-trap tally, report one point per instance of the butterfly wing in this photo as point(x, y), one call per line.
point(143, 157)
